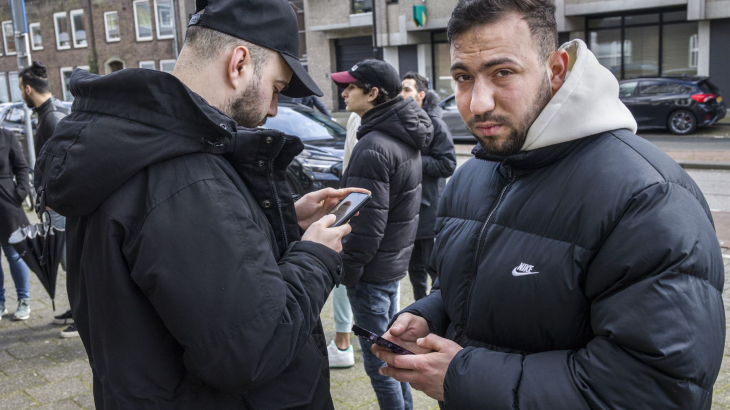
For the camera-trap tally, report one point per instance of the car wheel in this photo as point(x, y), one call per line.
point(682, 122)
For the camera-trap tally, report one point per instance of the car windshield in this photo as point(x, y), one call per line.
point(306, 124)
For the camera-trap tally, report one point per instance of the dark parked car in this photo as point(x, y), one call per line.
point(320, 164)
point(12, 117)
point(453, 120)
point(678, 104)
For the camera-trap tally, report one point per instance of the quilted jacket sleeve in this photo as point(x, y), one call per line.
point(432, 309)
point(656, 311)
point(246, 315)
point(441, 161)
point(368, 169)
point(20, 168)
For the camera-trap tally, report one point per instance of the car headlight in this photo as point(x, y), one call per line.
point(318, 165)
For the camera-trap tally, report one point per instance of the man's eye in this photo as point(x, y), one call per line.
point(503, 73)
point(462, 78)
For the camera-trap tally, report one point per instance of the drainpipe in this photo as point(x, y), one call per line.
point(375, 29)
point(92, 39)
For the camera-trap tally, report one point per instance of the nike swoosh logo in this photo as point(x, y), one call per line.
point(515, 272)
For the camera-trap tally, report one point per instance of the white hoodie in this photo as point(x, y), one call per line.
point(586, 104)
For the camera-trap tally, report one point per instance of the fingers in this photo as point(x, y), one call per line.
point(327, 221)
point(433, 342)
point(397, 360)
point(401, 325)
point(401, 375)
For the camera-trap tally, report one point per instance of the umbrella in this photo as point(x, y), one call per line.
point(41, 247)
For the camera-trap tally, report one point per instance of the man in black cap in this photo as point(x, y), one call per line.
point(195, 280)
point(386, 161)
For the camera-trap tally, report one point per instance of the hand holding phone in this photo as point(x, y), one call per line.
point(371, 337)
point(349, 207)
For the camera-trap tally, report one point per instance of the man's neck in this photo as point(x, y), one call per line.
point(41, 99)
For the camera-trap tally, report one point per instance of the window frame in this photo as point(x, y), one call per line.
point(33, 47)
point(157, 21)
point(136, 21)
point(4, 79)
point(106, 27)
point(173, 61)
point(153, 62)
point(5, 39)
point(17, 87)
point(64, 90)
point(71, 15)
point(55, 29)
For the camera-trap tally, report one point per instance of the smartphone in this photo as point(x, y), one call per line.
point(371, 337)
point(348, 207)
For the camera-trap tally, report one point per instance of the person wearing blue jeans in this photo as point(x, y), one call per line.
point(20, 273)
point(374, 305)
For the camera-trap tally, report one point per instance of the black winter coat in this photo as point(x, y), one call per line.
point(188, 282)
point(386, 161)
point(582, 275)
point(13, 185)
point(50, 113)
point(439, 163)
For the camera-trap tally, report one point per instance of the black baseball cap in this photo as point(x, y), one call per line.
point(377, 73)
point(266, 23)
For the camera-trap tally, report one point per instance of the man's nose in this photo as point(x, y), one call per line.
point(344, 94)
point(482, 98)
point(274, 107)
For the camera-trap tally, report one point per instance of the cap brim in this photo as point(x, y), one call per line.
point(343, 79)
point(301, 84)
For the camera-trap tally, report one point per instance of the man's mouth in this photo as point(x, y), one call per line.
point(488, 129)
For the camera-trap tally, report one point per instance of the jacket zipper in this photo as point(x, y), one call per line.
point(276, 193)
point(478, 254)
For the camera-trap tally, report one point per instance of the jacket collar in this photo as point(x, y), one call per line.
point(527, 161)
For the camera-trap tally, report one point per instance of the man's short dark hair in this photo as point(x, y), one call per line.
point(539, 15)
point(421, 82)
point(36, 76)
point(209, 43)
point(382, 97)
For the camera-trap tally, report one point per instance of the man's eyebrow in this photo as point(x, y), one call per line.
point(487, 65)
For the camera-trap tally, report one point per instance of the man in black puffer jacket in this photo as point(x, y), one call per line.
point(386, 161)
point(439, 163)
point(578, 267)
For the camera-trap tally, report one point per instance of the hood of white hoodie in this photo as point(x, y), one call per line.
point(586, 104)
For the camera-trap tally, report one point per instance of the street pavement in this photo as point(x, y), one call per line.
point(39, 370)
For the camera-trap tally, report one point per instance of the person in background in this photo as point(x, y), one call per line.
point(387, 162)
point(33, 82)
point(339, 351)
point(13, 190)
point(439, 163)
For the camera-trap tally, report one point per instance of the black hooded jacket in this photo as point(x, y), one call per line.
point(50, 113)
point(439, 163)
point(188, 282)
point(386, 161)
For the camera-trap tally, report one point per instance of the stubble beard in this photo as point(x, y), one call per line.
point(518, 132)
point(245, 108)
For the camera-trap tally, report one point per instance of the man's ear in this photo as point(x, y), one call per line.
point(28, 90)
point(558, 64)
point(373, 94)
point(239, 63)
point(422, 95)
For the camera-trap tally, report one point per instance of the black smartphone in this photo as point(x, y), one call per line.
point(373, 338)
point(348, 207)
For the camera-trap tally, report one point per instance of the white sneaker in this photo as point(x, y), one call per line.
point(340, 359)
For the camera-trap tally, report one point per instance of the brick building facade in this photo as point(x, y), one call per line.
point(65, 34)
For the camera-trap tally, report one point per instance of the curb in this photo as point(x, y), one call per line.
point(705, 165)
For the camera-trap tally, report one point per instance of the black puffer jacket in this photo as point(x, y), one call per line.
point(386, 161)
point(188, 282)
point(13, 185)
point(439, 163)
point(581, 275)
point(50, 113)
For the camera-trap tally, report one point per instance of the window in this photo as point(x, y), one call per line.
point(36, 40)
point(4, 95)
point(655, 88)
point(9, 38)
point(167, 65)
point(65, 78)
point(165, 21)
point(15, 94)
point(150, 65)
point(111, 25)
point(142, 20)
point(77, 28)
point(694, 50)
point(626, 90)
point(60, 23)
point(682, 56)
point(362, 6)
